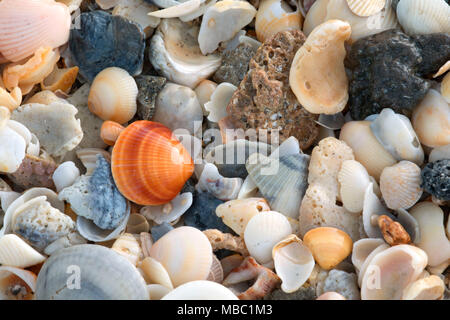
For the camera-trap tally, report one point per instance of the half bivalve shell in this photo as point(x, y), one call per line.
point(17, 253)
point(201, 290)
point(365, 8)
point(353, 180)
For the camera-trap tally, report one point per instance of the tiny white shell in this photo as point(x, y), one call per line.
point(365, 8)
point(65, 175)
point(200, 290)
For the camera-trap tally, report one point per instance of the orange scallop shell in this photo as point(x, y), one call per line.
point(149, 165)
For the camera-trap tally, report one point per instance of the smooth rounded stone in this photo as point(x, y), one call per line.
point(436, 179)
point(264, 99)
point(341, 282)
point(149, 87)
point(159, 230)
point(389, 70)
point(202, 213)
point(34, 172)
point(304, 293)
point(104, 41)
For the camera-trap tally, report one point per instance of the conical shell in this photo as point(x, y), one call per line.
point(365, 8)
point(96, 272)
point(201, 290)
point(149, 165)
point(263, 232)
point(362, 249)
point(26, 25)
point(17, 253)
point(353, 180)
point(155, 272)
point(110, 131)
point(16, 284)
point(113, 95)
point(293, 263)
point(282, 181)
point(400, 185)
point(274, 16)
point(424, 16)
point(185, 253)
point(329, 246)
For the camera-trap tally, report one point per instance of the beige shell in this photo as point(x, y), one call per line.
point(237, 213)
point(365, 8)
point(293, 263)
point(185, 253)
point(44, 97)
point(200, 290)
point(274, 16)
point(65, 175)
point(88, 156)
point(10, 100)
point(368, 151)
point(221, 187)
point(113, 95)
point(429, 288)
point(263, 232)
point(431, 120)
point(60, 79)
point(369, 259)
point(155, 272)
point(12, 143)
point(220, 99)
point(157, 291)
point(353, 180)
point(400, 185)
point(432, 232)
point(329, 246)
point(445, 88)
point(216, 272)
point(424, 16)
point(317, 75)
point(128, 246)
point(362, 249)
point(15, 252)
point(16, 284)
point(391, 271)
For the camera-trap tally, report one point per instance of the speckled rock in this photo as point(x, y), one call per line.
point(202, 213)
point(436, 179)
point(341, 282)
point(264, 99)
point(104, 41)
point(235, 64)
point(304, 293)
point(149, 87)
point(388, 70)
point(34, 172)
point(159, 230)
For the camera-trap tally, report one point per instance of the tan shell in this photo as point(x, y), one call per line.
point(429, 288)
point(10, 100)
point(317, 75)
point(220, 240)
point(156, 273)
point(365, 8)
point(60, 79)
point(17, 253)
point(113, 95)
point(88, 156)
point(44, 97)
point(353, 180)
point(216, 272)
point(362, 249)
point(400, 185)
point(16, 284)
point(128, 246)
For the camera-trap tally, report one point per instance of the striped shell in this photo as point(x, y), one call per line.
point(17, 253)
point(353, 180)
point(149, 165)
point(365, 8)
point(155, 272)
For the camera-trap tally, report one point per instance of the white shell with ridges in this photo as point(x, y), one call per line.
point(365, 8)
point(65, 175)
point(353, 180)
point(17, 253)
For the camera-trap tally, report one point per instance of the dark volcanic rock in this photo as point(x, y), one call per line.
point(436, 179)
point(389, 70)
point(104, 41)
point(149, 87)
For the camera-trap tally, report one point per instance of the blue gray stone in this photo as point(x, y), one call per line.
point(159, 230)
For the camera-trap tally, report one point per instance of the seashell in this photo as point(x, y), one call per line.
point(353, 180)
point(439, 153)
point(110, 131)
point(220, 240)
point(400, 185)
point(445, 88)
point(329, 246)
point(442, 70)
point(368, 151)
point(12, 144)
point(175, 54)
point(10, 100)
point(113, 95)
point(185, 253)
point(137, 224)
point(178, 10)
point(37, 24)
point(222, 188)
point(178, 109)
point(219, 101)
point(198, 12)
point(60, 79)
point(231, 262)
point(372, 208)
point(16, 284)
point(200, 290)
point(263, 232)
point(431, 120)
point(138, 12)
point(369, 259)
point(216, 272)
point(15, 252)
point(222, 21)
point(362, 249)
point(332, 121)
point(71, 4)
point(146, 243)
point(44, 97)
point(274, 16)
point(293, 263)
point(282, 181)
point(128, 246)
point(156, 273)
point(157, 291)
point(88, 156)
point(65, 175)
point(159, 181)
point(432, 232)
point(366, 8)
point(34, 146)
point(424, 16)
point(310, 77)
point(331, 296)
point(204, 90)
point(170, 211)
point(34, 172)
point(396, 134)
point(107, 4)
point(105, 275)
point(391, 271)
point(67, 241)
point(236, 213)
point(409, 223)
point(429, 288)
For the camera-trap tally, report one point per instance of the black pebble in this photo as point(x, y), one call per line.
point(436, 179)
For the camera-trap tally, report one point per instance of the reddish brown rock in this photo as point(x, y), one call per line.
point(264, 99)
point(34, 172)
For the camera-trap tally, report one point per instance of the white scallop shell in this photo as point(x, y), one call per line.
point(353, 180)
point(17, 253)
point(362, 249)
point(155, 272)
point(65, 175)
point(170, 211)
point(365, 8)
point(200, 290)
point(263, 232)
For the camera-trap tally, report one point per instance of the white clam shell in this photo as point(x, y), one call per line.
point(17, 253)
point(433, 239)
point(439, 153)
point(293, 263)
point(185, 253)
point(353, 180)
point(372, 206)
point(65, 175)
point(222, 21)
point(11, 277)
point(424, 16)
point(179, 10)
point(219, 101)
point(365, 8)
point(96, 272)
point(156, 273)
point(361, 250)
point(170, 211)
point(157, 291)
point(263, 232)
point(213, 182)
point(201, 290)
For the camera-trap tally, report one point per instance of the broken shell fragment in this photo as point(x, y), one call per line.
point(137, 224)
point(393, 232)
point(128, 246)
point(17, 284)
point(219, 101)
point(216, 272)
point(88, 156)
point(155, 272)
point(10, 100)
point(204, 90)
point(60, 79)
point(222, 188)
point(220, 240)
point(168, 212)
point(15, 252)
point(362, 249)
point(137, 11)
point(317, 75)
point(353, 180)
point(178, 10)
point(372, 209)
point(65, 175)
point(200, 290)
point(429, 288)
